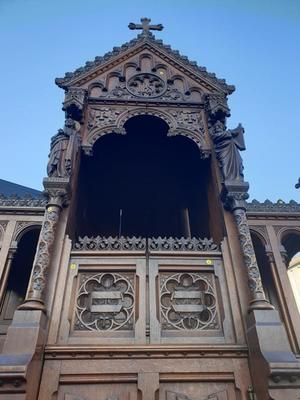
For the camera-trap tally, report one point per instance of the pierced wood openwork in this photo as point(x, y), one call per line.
point(105, 302)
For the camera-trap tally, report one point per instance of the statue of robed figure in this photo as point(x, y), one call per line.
point(64, 146)
point(228, 144)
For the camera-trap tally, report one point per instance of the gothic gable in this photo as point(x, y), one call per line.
point(168, 73)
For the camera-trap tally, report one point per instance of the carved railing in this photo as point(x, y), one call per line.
point(99, 243)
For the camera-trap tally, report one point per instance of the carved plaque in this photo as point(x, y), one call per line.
point(188, 301)
point(105, 302)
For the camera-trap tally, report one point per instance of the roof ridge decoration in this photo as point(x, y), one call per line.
point(268, 206)
point(145, 37)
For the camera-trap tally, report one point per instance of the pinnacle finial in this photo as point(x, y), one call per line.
point(145, 26)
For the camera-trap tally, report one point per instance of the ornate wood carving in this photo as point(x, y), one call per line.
point(3, 225)
point(105, 302)
point(146, 85)
point(122, 243)
point(104, 120)
point(182, 244)
point(254, 278)
point(261, 232)
point(110, 244)
point(188, 301)
point(57, 192)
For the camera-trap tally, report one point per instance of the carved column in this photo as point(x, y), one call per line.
point(234, 196)
point(57, 192)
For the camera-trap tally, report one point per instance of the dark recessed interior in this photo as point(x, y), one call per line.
point(159, 183)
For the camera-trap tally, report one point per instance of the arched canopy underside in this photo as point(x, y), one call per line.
point(157, 182)
point(177, 126)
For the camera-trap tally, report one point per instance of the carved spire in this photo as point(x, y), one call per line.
point(145, 26)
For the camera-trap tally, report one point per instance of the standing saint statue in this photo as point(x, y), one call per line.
point(64, 146)
point(228, 144)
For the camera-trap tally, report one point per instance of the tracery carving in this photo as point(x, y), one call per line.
point(105, 302)
point(182, 244)
point(110, 244)
point(104, 120)
point(188, 301)
point(146, 85)
point(64, 146)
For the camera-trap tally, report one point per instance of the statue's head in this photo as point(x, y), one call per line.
point(218, 127)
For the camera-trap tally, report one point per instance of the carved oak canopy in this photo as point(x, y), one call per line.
point(143, 77)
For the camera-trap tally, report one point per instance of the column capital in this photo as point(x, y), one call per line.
point(234, 195)
point(57, 191)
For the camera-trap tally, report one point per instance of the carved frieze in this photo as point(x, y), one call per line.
point(110, 243)
point(122, 243)
point(27, 201)
point(105, 302)
point(188, 301)
point(181, 244)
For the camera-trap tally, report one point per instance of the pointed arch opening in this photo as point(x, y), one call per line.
point(144, 184)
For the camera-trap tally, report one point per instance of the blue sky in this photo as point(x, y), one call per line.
point(253, 44)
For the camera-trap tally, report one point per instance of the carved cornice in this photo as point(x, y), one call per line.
point(26, 201)
point(149, 42)
point(122, 243)
point(269, 207)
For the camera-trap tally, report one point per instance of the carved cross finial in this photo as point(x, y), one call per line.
point(145, 26)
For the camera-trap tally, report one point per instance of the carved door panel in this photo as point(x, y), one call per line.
point(187, 301)
point(104, 301)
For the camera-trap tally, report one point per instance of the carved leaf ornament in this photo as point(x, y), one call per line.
point(105, 302)
point(187, 302)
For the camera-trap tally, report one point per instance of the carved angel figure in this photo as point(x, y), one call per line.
point(64, 146)
point(228, 144)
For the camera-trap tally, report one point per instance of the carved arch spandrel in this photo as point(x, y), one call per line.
point(261, 233)
point(24, 226)
point(3, 225)
point(105, 120)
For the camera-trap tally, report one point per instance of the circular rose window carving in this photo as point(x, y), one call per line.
point(146, 85)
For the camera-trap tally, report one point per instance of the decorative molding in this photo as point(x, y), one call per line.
point(122, 243)
point(105, 302)
point(110, 243)
point(26, 201)
point(181, 244)
point(150, 43)
point(188, 302)
point(269, 207)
